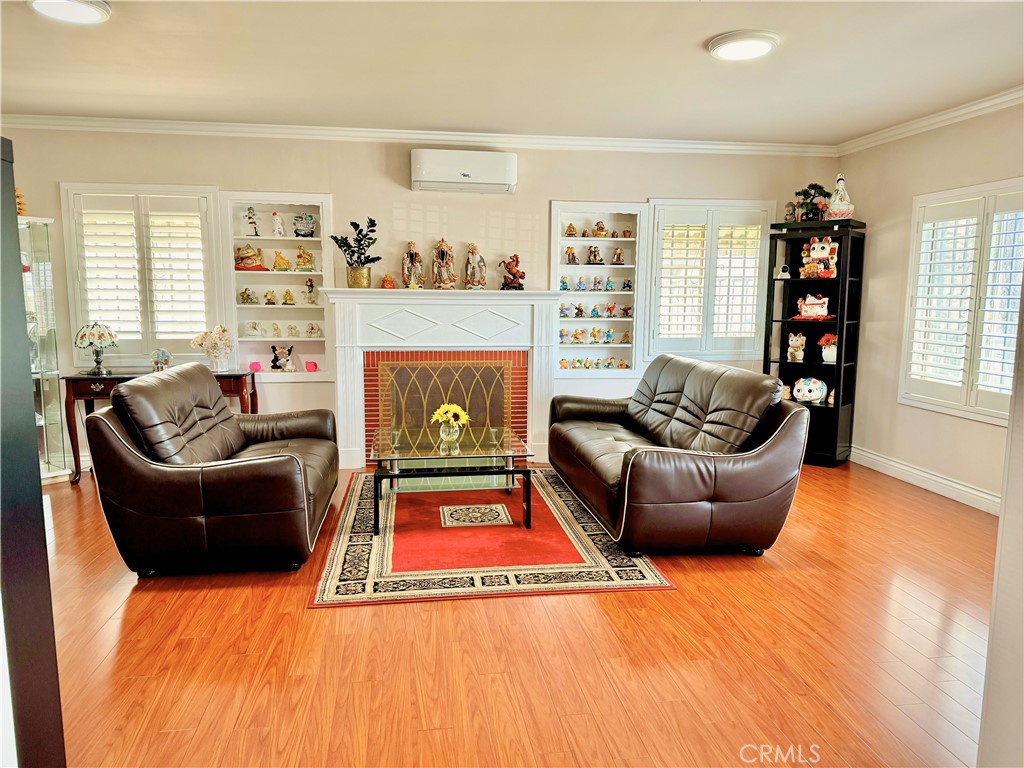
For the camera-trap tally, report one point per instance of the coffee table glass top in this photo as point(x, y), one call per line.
point(474, 442)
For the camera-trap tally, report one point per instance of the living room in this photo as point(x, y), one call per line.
point(613, 109)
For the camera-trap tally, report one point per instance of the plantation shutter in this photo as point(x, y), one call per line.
point(942, 303)
point(682, 235)
point(177, 280)
point(999, 303)
point(739, 250)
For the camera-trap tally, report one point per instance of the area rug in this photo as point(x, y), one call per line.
point(437, 545)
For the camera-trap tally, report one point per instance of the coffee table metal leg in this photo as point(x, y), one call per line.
point(510, 478)
point(393, 469)
point(377, 480)
point(527, 497)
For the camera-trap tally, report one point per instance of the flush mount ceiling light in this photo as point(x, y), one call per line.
point(743, 45)
point(73, 11)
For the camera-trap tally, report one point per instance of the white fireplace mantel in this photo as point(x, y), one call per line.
point(367, 320)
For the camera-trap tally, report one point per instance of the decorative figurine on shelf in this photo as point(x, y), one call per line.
point(795, 353)
point(513, 278)
point(600, 230)
point(281, 264)
point(594, 311)
point(282, 360)
point(627, 310)
point(412, 267)
point(829, 350)
point(594, 255)
point(293, 330)
point(579, 310)
point(626, 338)
point(840, 206)
point(314, 331)
point(442, 272)
point(276, 225)
point(617, 257)
point(783, 273)
point(598, 284)
point(810, 390)
point(249, 259)
point(160, 358)
point(19, 201)
point(476, 269)
point(310, 291)
point(577, 336)
point(275, 330)
point(611, 362)
point(250, 220)
point(304, 224)
point(787, 392)
point(256, 366)
point(832, 397)
point(270, 297)
point(247, 296)
point(588, 364)
point(824, 255)
point(581, 284)
point(304, 260)
point(585, 233)
point(609, 310)
point(570, 231)
point(627, 284)
point(615, 234)
point(563, 364)
point(609, 284)
point(387, 281)
point(564, 310)
point(563, 335)
point(813, 308)
point(790, 217)
point(623, 365)
point(255, 328)
point(287, 299)
point(570, 255)
point(810, 267)
point(609, 335)
point(311, 366)
point(627, 232)
point(563, 283)
point(577, 363)
point(812, 202)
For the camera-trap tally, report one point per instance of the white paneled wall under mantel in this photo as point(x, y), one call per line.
point(373, 320)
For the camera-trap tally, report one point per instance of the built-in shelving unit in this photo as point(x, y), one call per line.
point(304, 324)
point(608, 338)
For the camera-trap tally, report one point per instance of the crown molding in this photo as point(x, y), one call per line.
point(443, 138)
point(1011, 98)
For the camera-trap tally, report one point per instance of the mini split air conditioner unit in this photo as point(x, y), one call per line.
point(449, 170)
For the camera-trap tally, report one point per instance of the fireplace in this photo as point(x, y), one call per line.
point(379, 332)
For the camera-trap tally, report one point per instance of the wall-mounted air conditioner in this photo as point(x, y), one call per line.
point(449, 170)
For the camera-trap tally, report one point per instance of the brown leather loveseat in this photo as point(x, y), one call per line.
point(188, 485)
point(702, 455)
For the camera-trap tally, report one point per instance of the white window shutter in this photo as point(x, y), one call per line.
point(739, 252)
point(176, 277)
point(681, 263)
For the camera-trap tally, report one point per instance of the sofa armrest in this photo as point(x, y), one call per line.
point(254, 486)
point(574, 407)
point(262, 428)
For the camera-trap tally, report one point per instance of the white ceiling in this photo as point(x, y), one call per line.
point(629, 70)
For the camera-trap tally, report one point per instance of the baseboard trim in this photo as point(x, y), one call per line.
point(930, 481)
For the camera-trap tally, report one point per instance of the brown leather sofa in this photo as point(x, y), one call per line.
point(187, 485)
point(701, 456)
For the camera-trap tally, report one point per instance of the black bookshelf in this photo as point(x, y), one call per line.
point(831, 426)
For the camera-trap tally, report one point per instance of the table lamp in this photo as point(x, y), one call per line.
point(99, 337)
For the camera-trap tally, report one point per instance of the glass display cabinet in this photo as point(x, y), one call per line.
point(41, 326)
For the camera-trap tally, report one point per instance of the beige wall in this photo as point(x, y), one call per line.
point(883, 181)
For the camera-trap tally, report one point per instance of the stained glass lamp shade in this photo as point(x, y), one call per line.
point(99, 337)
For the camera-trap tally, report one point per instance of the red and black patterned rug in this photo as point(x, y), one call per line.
point(437, 545)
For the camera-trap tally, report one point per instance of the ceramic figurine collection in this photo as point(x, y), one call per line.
point(599, 284)
point(588, 364)
point(595, 334)
point(600, 230)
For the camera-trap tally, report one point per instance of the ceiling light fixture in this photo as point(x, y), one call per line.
point(73, 11)
point(743, 45)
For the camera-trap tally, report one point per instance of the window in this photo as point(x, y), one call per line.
point(709, 263)
point(142, 263)
point(964, 300)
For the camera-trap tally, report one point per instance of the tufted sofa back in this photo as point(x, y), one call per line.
point(700, 406)
point(178, 416)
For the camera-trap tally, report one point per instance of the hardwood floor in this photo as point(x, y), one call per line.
point(859, 640)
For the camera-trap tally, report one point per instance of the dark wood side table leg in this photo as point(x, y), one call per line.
point(527, 497)
point(243, 395)
point(72, 425)
point(254, 399)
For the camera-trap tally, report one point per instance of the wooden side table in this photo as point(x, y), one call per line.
point(89, 389)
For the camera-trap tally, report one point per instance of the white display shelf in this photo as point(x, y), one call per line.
point(272, 238)
point(292, 339)
point(591, 240)
point(599, 266)
point(579, 320)
point(280, 377)
point(279, 306)
point(595, 293)
point(598, 345)
point(277, 273)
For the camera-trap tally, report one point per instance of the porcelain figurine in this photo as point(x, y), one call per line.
point(840, 206)
point(595, 335)
point(249, 259)
point(609, 284)
point(627, 310)
point(626, 338)
point(310, 297)
point(442, 271)
point(611, 362)
point(247, 296)
point(304, 225)
point(282, 360)
point(615, 234)
point(790, 216)
point(563, 335)
point(608, 336)
point(577, 363)
point(609, 310)
point(627, 232)
point(585, 233)
point(293, 330)
point(588, 364)
point(598, 284)
point(600, 230)
point(281, 264)
point(570, 231)
point(577, 336)
point(276, 225)
point(275, 330)
point(412, 267)
point(627, 284)
point(563, 363)
point(513, 278)
point(255, 328)
point(563, 284)
point(787, 392)
point(314, 331)
point(813, 307)
point(250, 220)
point(594, 255)
point(579, 310)
point(617, 257)
point(595, 311)
point(304, 260)
point(809, 390)
point(476, 269)
point(581, 284)
point(564, 310)
point(287, 299)
point(270, 297)
point(570, 255)
point(795, 353)
point(623, 365)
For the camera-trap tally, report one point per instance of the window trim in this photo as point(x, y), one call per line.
point(768, 209)
point(214, 272)
point(920, 202)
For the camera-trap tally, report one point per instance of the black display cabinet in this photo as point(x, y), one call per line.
point(831, 427)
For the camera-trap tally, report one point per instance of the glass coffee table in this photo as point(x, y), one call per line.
point(407, 455)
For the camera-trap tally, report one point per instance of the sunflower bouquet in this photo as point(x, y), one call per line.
point(449, 413)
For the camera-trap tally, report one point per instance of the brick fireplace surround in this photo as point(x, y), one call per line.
point(375, 325)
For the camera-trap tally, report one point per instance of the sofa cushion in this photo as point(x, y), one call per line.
point(682, 403)
point(178, 416)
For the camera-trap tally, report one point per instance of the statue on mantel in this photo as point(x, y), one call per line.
point(443, 269)
point(412, 267)
point(476, 269)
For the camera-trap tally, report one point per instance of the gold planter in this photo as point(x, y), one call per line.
point(358, 277)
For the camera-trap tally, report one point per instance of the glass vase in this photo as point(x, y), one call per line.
point(218, 364)
point(449, 438)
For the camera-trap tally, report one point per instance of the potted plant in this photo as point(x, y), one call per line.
point(812, 202)
point(829, 350)
point(357, 255)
